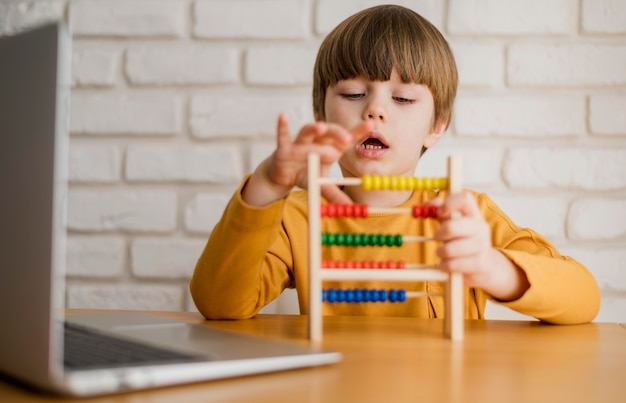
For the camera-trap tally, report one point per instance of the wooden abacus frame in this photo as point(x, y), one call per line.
point(453, 296)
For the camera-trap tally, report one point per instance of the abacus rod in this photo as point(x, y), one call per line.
point(340, 181)
point(383, 274)
point(407, 266)
point(389, 210)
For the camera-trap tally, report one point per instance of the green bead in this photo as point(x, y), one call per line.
point(331, 239)
point(340, 239)
point(398, 240)
point(357, 239)
point(324, 238)
point(349, 239)
point(382, 239)
point(372, 239)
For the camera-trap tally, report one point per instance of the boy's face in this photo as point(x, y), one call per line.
point(403, 122)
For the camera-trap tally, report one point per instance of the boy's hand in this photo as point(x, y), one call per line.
point(467, 248)
point(287, 166)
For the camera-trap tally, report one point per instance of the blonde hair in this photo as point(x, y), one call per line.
point(370, 43)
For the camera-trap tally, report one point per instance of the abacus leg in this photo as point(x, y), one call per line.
point(453, 322)
point(315, 253)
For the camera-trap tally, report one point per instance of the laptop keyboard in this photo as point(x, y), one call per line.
point(89, 349)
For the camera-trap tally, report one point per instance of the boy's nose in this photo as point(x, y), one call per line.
point(375, 112)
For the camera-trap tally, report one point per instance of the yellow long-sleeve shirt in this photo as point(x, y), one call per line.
point(253, 254)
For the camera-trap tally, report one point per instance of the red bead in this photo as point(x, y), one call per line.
point(331, 210)
point(341, 210)
point(400, 264)
point(364, 210)
point(432, 212)
point(417, 211)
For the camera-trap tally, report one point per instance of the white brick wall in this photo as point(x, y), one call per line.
point(174, 100)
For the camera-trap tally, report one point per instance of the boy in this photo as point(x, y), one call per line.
point(384, 85)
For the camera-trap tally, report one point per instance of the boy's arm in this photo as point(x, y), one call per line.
point(242, 267)
point(558, 289)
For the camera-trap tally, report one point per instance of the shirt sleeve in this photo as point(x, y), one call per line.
point(562, 290)
point(245, 263)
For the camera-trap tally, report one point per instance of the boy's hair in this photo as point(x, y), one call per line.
point(370, 43)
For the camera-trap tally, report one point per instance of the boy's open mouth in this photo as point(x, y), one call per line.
point(372, 144)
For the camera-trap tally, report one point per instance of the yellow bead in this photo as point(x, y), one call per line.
point(366, 182)
point(428, 183)
point(419, 184)
point(386, 182)
point(404, 183)
point(394, 182)
point(376, 182)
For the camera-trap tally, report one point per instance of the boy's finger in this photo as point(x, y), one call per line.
point(283, 138)
point(334, 195)
point(463, 203)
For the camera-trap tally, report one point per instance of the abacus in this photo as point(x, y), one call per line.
point(324, 270)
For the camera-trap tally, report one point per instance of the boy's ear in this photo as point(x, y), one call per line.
point(433, 137)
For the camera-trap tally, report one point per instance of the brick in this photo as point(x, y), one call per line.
point(204, 211)
point(543, 214)
point(94, 163)
point(258, 153)
point(125, 114)
point(495, 311)
point(125, 296)
point(165, 258)
point(182, 65)
point(329, 13)
point(217, 116)
point(512, 17)
point(280, 65)
point(136, 18)
point(607, 264)
point(604, 16)
point(566, 64)
point(519, 115)
point(17, 16)
point(96, 68)
point(95, 257)
point(480, 165)
point(607, 114)
point(285, 304)
point(211, 163)
point(591, 169)
point(289, 19)
point(479, 64)
point(595, 218)
point(121, 210)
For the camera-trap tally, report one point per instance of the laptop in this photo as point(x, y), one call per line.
point(37, 340)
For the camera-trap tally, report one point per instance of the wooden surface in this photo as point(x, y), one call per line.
point(408, 360)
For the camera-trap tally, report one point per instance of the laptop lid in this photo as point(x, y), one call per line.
point(34, 99)
point(34, 110)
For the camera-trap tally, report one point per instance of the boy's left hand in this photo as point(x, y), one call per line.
point(466, 248)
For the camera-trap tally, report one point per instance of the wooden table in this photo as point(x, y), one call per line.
point(408, 360)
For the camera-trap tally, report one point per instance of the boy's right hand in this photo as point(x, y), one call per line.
point(287, 166)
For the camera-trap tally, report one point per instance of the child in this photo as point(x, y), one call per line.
point(384, 85)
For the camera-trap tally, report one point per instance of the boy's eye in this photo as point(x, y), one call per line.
point(404, 100)
point(352, 95)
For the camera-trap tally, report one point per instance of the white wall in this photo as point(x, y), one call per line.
point(173, 101)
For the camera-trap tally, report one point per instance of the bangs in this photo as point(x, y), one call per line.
point(373, 46)
point(371, 43)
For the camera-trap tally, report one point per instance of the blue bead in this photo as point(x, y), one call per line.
point(332, 295)
point(382, 295)
point(341, 296)
point(393, 295)
point(350, 296)
point(358, 295)
point(366, 295)
point(324, 295)
point(401, 295)
point(373, 295)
